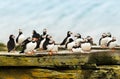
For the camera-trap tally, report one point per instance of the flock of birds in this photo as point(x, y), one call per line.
point(45, 42)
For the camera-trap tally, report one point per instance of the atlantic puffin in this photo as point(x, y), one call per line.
point(37, 37)
point(30, 47)
point(86, 46)
point(69, 33)
point(11, 43)
point(76, 48)
point(20, 38)
point(24, 43)
point(52, 47)
point(43, 38)
point(112, 43)
point(49, 45)
point(103, 40)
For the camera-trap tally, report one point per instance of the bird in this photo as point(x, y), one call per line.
point(43, 38)
point(49, 45)
point(69, 33)
point(30, 47)
point(20, 38)
point(76, 48)
point(112, 43)
point(86, 46)
point(24, 43)
point(106, 37)
point(11, 43)
point(37, 37)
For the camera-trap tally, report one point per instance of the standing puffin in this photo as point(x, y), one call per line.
point(112, 43)
point(11, 43)
point(37, 37)
point(66, 38)
point(76, 48)
point(20, 38)
point(103, 40)
point(43, 38)
point(86, 45)
point(24, 43)
point(51, 47)
point(30, 47)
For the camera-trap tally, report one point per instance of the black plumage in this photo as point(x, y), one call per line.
point(11, 43)
point(20, 32)
point(65, 40)
point(46, 42)
point(24, 43)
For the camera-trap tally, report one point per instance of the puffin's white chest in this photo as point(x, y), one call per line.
point(86, 46)
point(30, 46)
point(21, 39)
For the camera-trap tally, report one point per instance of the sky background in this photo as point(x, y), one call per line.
point(87, 17)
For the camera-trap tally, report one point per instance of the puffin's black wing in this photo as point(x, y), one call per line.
point(64, 41)
point(100, 41)
point(10, 45)
point(24, 43)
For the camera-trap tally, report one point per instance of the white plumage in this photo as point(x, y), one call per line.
point(112, 44)
point(30, 47)
point(52, 48)
point(77, 50)
point(21, 39)
point(86, 46)
point(104, 41)
point(70, 45)
point(41, 44)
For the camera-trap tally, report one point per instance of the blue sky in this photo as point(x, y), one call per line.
point(58, 16)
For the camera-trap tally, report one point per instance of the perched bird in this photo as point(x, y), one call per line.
point(49, 45)
point(24, 43)
point(30, 47)
point(37, 37)
point(20, 38)
point(86, 46)
point(11, 43)
point(43, 38)
point(69, 33)
point(112, 43)
point(76, 48)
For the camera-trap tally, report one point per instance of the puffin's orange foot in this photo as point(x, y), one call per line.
point(50, 53)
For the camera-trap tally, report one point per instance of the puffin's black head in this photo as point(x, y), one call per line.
point(20, 31)
point(78, 35)
point(44, 31)
point(34, 32)
point(69, 33)
point(104, 35)
point(11, 37)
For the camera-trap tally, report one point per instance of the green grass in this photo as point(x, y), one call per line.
point(3, 47)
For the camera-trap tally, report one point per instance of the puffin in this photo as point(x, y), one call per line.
point(69, 33)
point(103, 40)
point(72, 42)
point(11, 43)
point(37, 37)
point(86, 45)
point(49, 45)
point(112, 43)
point(30, 47)
point(43, 38)
point(24, 43)
point(20, 38)
point(52, 47)
point(76, 48)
